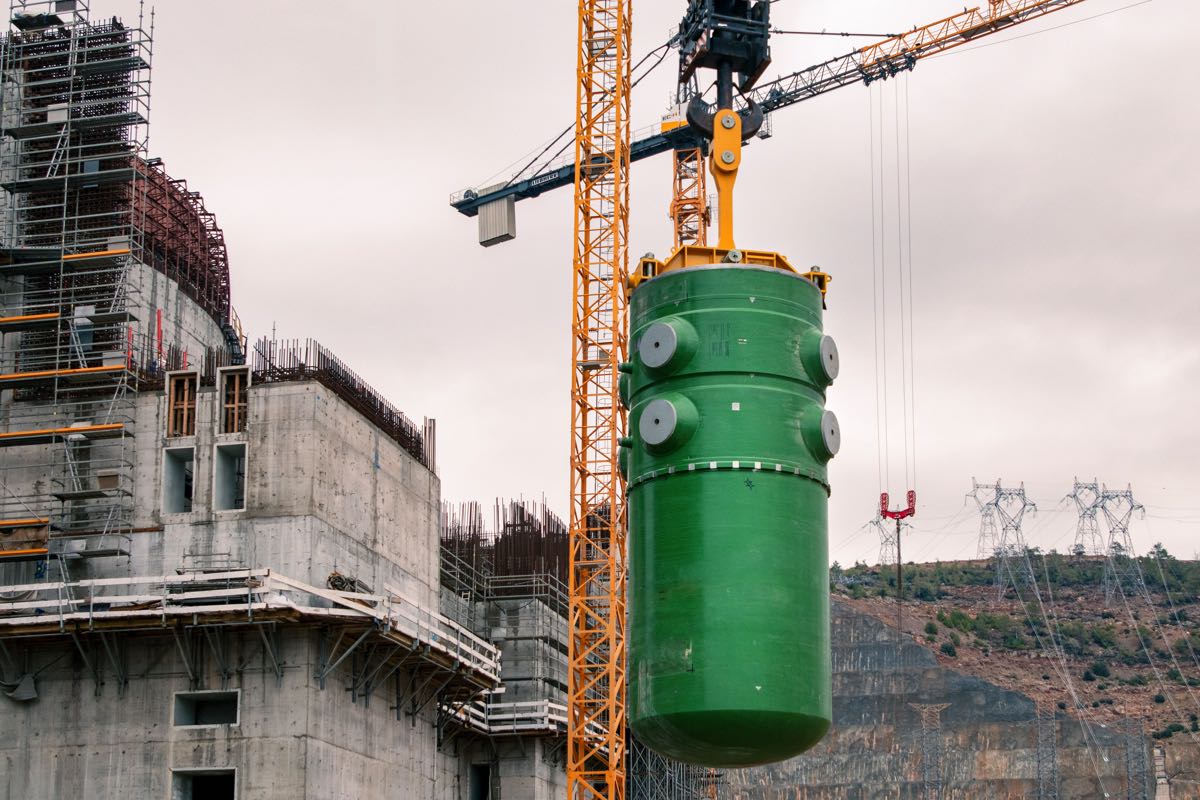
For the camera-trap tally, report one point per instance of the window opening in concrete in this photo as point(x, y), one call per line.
point(229, 477)
point(480, 782)
point(216, 784)
point(181, 404)
point(234, 385)
point(206, 708)
point(178, 479)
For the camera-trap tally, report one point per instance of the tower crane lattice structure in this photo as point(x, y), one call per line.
point(599, 171)
point(690, 213)
point(596, 668)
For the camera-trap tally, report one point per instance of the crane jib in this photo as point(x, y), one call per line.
point(470, 202)
point(778, 94)
point(876, 62)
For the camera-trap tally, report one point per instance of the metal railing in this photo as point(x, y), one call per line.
point(89, 604)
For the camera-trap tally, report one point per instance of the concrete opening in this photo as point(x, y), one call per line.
point(229, 477)
point(217, 784)
point(206, 708)
point(181, 404)
point(234, 384)
point(480, 782)
point(179, 465)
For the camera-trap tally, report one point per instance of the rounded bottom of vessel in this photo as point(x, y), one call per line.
point(730, 738)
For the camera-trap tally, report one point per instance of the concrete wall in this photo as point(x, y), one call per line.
point(325, 491)
point(294, 741)
point(529, 768)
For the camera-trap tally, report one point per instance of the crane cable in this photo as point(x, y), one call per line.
point(880, 421)
point(882, 242)
point(660, 51)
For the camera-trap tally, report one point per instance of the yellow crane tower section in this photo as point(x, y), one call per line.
point(596, 678)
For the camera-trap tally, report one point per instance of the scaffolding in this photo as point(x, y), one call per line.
point(1137, 761)
point(1047, 751)
point(650, 776)
point(72, 134)
point(376, 636)
point(505, 580)
point(932, 747)
point(503, 576)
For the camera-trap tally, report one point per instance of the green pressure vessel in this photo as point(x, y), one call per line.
point(729, 660)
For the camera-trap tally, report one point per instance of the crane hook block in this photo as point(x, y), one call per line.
point(702, 119)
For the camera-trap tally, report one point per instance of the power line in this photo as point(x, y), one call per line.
point(1060, 665)
point(1187, 639)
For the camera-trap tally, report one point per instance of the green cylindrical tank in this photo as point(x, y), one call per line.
point(729, 661)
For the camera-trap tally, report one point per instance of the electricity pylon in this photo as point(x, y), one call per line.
point(1121, 571)
point(1088, 541)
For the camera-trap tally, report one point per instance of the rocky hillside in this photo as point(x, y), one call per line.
point(1107, 657)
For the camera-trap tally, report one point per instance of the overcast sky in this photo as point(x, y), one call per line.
point(1055, 232)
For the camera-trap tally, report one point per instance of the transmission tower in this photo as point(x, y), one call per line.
point(887, 542)
point(931, 747)
point(1088, 541)
point(1047, 752)
point(1011, 507)
point(984, 495)
point(1006, 508)
point(1121, 571)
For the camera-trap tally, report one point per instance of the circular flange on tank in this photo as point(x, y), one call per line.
point(658, 422)
point(831, 362)
point(658, 345)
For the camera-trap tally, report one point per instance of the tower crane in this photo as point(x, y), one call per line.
point(599, 171)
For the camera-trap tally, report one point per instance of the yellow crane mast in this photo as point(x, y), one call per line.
point(596, 678)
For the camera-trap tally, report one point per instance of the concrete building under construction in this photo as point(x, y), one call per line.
point(226, 571)
point(219, 571)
